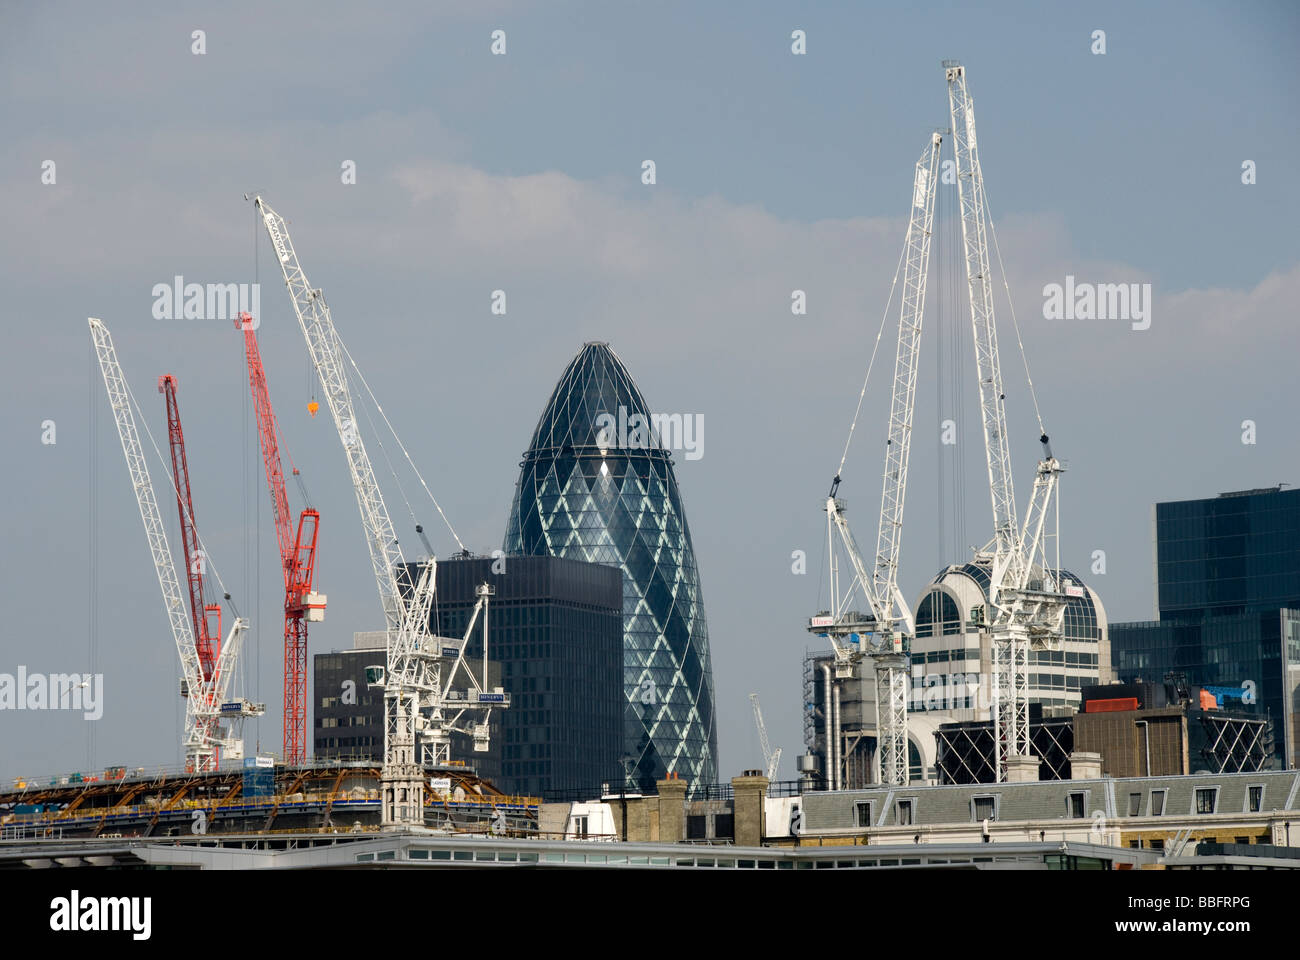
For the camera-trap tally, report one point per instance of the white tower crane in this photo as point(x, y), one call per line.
point(418, 700)
point(888, 623)
point(1026, 606)
point(771, 758)
point(212, 721)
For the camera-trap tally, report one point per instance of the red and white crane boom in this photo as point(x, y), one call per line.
point(297, 556)
point(212, 720)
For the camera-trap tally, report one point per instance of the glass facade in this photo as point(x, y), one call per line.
point(1228, 591)
point(556, 646)
point(1236, 553)
point(1253, 655)
point(556, 628)
point(593, 487)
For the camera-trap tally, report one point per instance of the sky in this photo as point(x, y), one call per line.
point(522, 172)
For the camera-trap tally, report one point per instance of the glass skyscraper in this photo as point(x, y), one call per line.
point(1231, 554)
point(594, 487)
point(1228, 592)
point(556, 628)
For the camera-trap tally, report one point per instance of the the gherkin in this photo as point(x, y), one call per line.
point(620, 505)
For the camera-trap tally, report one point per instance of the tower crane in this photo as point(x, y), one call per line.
point(419, 702)
point(297, 556)
point(212, 720)
point(206, 636)
point(887, 626)
point(771, 758)
point(1027, 608)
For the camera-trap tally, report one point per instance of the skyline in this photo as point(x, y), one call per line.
point(522, 173)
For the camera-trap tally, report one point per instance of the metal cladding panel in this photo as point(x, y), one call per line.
point(1113, 705)
point(606, 496)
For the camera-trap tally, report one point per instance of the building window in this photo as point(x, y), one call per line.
point(1256, 798)
point(904, 813)
point(1134, 804)
point(1077, 805)
point(984, 808)
point(580, 827)
point(1158, 803)
point(862, 813)
point(1205, 799)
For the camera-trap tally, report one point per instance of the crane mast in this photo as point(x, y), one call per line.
point(297, 556)
point(1027, 608)
point(889, 624)
point(413, 679)
point(195, 564)
point(211, 720)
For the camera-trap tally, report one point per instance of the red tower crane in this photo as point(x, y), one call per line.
point(297, 558)
point(207, 638)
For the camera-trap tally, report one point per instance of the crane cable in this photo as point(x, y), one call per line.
point(402, 447)
point(885, 316)
point(208, 562)
point(1033, 395)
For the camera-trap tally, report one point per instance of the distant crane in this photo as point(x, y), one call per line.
point(212, 721)
point(419, 702)
point(771, 758)
point(1026, 602)
point(297, 556)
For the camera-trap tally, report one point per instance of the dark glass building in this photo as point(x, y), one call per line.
point(556, 628)
point(604, 495)
point(555, 638)
point(1233, 554)
point(1228, 592)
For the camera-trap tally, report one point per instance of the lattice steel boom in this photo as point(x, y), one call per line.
point(412, 679)
point(208, 712)
point(1026, 606)
point(297, 555)
point(890, 624)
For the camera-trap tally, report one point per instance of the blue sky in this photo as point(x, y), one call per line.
point(522, 172)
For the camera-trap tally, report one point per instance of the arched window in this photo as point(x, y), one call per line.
point(925, 617)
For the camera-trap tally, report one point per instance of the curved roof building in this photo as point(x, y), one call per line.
point(951, 657)
point(949, 640)
point(591, 489)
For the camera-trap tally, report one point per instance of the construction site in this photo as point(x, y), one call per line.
point(1061, 768)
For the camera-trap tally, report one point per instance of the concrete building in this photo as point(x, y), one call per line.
point(1167, 815)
